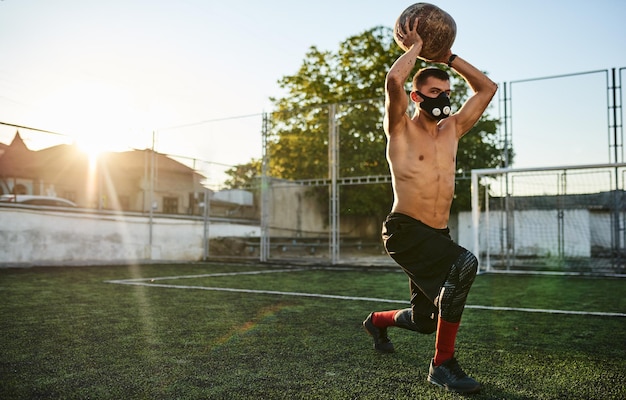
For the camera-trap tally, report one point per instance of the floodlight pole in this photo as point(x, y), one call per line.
point(618, 142)
point(150, 213)
point(265, 200)
point(206, 224)
point(333, 172)
point(508, 226)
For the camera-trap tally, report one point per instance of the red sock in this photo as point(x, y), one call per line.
point(383, 319)
point(444, 343)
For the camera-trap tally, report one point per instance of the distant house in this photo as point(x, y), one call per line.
point(118, 181)
point(17, 167)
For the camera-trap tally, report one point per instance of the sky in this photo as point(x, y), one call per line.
point(194, 77)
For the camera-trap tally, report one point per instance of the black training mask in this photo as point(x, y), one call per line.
point(438, 107)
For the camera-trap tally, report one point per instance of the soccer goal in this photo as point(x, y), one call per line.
point(565, 218)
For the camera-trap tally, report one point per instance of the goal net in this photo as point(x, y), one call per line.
point(564, 218)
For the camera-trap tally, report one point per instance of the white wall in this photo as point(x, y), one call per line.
point(535, 232)
point(601, 231)
point(39, 237)
point(235, 196)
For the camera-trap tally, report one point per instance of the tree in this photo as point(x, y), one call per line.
point(244, 174)
point(353, 79)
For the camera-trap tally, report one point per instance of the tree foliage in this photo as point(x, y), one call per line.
point(352, 78)
point(242, 175)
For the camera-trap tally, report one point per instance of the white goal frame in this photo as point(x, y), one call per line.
point(482, 183)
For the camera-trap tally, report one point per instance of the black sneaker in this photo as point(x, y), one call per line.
point(381, 341)
point(450, 376)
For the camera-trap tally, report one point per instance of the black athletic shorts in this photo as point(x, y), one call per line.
point(425, 254)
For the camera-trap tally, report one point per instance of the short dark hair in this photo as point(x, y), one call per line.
point(423, 74)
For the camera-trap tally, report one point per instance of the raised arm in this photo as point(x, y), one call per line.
point(484, 90)
point(396, 100)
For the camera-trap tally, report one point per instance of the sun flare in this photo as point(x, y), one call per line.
point(97, 117)
point(92, 150)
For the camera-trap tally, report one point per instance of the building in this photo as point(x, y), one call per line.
point(125, 181)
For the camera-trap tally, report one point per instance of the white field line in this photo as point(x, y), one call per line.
point(148, 282)
point(168, 278)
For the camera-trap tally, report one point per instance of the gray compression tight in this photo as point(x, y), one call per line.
point(455, 289)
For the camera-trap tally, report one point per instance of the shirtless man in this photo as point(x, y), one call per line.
point(421, 151)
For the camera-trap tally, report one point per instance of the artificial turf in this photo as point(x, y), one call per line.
point(67, 333)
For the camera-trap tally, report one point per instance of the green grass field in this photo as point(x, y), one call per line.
point(68, 333)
